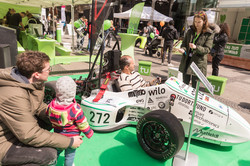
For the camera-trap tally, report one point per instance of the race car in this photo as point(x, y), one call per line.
point(162, 115)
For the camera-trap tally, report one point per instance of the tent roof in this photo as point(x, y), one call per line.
point(145, 16)
point(45, 3)
point(234, 3)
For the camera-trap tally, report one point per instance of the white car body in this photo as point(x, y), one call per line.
point(214, 122)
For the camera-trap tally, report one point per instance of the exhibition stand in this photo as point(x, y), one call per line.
point(51, 48)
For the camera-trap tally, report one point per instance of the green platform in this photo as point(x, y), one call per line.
point(218, 83)
point(121, 148)
point(76, 76)
point(49, 46)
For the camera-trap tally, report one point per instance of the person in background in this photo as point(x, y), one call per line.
point(66, 115)
point(196, 44)
point(111, 29)
point(81, 31)
point(50, 25)
point(33, 20)
point(9, 14)
point(25, 137)
point(147, 30)
point(217, 52)
point(129, 79)
point(16, 21)
point(169, 34)
point(89, 32)
point(117, 28)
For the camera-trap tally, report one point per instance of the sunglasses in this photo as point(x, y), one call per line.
point(200, 13)
point(47, 70)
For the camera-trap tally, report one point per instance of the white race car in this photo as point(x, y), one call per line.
point(163, 113)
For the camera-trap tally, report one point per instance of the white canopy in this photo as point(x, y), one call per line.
point(46, 3)
point(145, 16)
point(234, 3)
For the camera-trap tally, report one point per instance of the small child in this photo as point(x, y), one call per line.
point(66, 115)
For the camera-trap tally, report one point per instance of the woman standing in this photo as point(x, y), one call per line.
point(196, 44)
point(217, 51)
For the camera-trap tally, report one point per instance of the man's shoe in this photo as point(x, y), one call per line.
point(170, 65)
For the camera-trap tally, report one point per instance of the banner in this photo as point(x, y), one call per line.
point(63, 17)
point(100, 11)
point(135, 17)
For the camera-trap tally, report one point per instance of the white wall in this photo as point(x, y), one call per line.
point(234, 18)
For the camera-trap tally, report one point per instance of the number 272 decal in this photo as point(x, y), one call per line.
point(101, 118)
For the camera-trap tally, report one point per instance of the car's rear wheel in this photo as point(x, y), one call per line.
point(160, 134)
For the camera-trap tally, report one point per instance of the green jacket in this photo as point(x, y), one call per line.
point(20, 102)
point(204, 44)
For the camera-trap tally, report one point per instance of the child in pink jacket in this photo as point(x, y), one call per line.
point(66, 115)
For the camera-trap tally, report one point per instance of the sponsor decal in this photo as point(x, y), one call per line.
point(200, 116)
point(183, 105)
point(157, 91)
point(150, 101)
point(204, 132)
point(207, 98)
point(200, 94)
point(190, 102)
point(161, 97)
point(140, 101)
point(172, 79)
point(161, 105)
point(136, 93)
point(133, 119)
point(184, 87)
point(185, 100)
point(215, 113)
point(109, 101)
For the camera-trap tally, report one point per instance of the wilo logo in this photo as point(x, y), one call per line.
point(144, 70)
point(156, 91)
point(136, 93)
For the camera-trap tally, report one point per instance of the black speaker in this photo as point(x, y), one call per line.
point(8, 36)
point(5, 59)
point(111, 61)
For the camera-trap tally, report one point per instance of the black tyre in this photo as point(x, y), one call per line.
point(158, 54)
point(49, 93)
point(160, 134)
point(150, 52)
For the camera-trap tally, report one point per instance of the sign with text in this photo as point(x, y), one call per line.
point(233, 49)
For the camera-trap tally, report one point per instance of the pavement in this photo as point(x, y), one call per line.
point(237, 89)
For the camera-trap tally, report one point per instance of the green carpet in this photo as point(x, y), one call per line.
point(121, 148)
point(77, 76)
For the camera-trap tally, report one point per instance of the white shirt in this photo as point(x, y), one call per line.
point(131, 81)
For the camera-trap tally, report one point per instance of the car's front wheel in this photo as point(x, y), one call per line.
point(160, 134)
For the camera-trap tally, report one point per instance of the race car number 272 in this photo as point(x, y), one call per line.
point(97, 117)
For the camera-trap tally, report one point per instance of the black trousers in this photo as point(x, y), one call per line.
point(215, 64)
point(17, 31)
point(20, 154)
point(167, 46)
point(23, 155)
point(187, 78)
